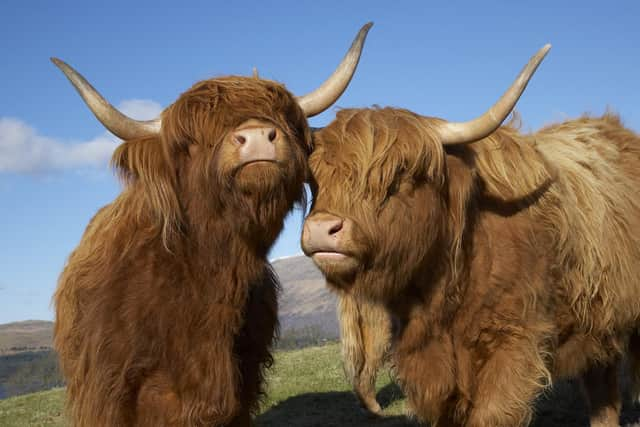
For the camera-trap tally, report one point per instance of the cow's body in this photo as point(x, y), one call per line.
point(167, 309)
point(161, 323)
point(137, 326)
point(505, 263)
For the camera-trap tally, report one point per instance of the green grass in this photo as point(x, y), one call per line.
point(305, 388)
point(33, 410)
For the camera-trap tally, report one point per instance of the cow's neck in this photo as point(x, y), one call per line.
point(229, 245)
point(434, 294)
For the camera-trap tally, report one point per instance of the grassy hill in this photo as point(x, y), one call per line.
point(307, 389)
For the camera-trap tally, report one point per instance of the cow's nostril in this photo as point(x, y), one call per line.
point(335, 228)
point(240, 139)
point(272, 135)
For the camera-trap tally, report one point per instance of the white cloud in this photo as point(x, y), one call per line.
point(140, 109)
point(24, 150)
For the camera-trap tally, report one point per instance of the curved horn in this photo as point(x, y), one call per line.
point(478, 128)
point(117, 123)
point(323, 97)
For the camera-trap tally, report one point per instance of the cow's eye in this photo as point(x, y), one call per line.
point(391, 191)
point(393, 188)
point(400, 187)
point(397, 184)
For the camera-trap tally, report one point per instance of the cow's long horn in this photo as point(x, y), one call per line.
point(323, 97)
point(117, 123)
point(460, 133)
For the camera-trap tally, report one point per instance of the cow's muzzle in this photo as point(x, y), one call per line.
point(324, 235)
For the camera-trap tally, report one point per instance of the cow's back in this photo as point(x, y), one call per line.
point(594, 209)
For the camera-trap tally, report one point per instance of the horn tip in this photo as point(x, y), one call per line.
point(366, 27)
point(545, 49)
point(60, 64)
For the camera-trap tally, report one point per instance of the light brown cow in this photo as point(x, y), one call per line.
point(506, 259)
point(166, 310)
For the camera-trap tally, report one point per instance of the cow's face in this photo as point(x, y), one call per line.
point(385, 206)
point(240, 146)
point(378, 200)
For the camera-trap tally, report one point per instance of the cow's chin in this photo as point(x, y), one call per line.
point(338, 268)
point(258, 177)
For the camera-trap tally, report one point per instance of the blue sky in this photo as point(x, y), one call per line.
point(450, 61)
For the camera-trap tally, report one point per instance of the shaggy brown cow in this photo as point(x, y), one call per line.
point(166, 311)
point(506, 260)
point(365, 338)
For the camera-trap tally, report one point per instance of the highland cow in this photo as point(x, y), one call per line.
point(506, 260)
point(167, 309)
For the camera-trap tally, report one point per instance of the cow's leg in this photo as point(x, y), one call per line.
point(507, 386)
point(159, 406)
point(634, 365)
point(428, 391)
point(242, 420)
point(601, 387)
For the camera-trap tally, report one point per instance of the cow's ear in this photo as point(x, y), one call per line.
point(140, 159)
point(143, 162)
point(510, 168)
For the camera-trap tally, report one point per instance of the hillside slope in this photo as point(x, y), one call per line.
point(305, 301)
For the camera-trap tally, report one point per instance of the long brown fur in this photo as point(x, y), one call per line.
point(166, 310)
point(365, 339)
point(506, 263)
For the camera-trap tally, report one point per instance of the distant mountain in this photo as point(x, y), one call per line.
point(30, 335)
point(305, 303)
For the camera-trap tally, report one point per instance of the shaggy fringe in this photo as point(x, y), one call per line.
point(350, 152)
